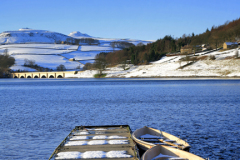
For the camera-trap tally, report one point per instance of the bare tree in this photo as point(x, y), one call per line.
point(113, 45)
point(100, 63)
point(28, 62)
point(140, 44)
point(61, 67)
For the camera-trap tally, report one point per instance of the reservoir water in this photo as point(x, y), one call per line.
point(36, 115)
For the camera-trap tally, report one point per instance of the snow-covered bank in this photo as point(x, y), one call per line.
point(228, 68)
point(224, 66)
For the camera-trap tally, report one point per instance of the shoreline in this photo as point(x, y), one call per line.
point(181, 77)
point(165, 77)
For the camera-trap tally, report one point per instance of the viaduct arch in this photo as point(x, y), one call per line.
point(58, 74)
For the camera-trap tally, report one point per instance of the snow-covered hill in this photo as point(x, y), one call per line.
point(32, 36)
point(26, 35)
point(78, 34)
point(40, 46)
point(45, 48)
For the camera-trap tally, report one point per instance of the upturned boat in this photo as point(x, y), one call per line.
point(160, 152)
point(148, 137)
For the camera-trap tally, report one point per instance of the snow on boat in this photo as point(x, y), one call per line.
point(101, 142)
point(147, 137)
point(160, 152)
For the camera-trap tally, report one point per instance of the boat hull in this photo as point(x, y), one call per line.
point(168, 151)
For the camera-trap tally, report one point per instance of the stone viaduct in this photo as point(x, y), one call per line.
point(56, 74)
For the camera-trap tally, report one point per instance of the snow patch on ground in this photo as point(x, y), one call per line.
point(22, 68)
point(95, 142)
point(49, 61)
point(49, 46)
point(24, 51)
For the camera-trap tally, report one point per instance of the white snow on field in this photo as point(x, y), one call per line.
point(96, 48)
point(38, 45)
point(26, 43)
point(86, 61)
point(31, 35)
point(170, 67)
point(48, 61)
point(83, 74)
point(2, 51)
point(49, 46)
point(22, 68)
point(35, 51)
point(167, 59)
point(79, 55)
point(224, 54)
point(135, 42)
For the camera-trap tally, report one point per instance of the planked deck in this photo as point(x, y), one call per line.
point(98, 142)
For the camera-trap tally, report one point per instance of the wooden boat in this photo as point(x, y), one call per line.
point(104, 142)
point(160, 152)
point(147, 137)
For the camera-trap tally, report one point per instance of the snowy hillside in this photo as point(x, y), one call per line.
point(45, 48)
point(225, 65)
point(40, 47)
point(31, 36)
point(78, 34)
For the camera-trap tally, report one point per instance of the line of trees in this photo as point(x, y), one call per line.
point(32, 64)
point(143, 54)
point(75, 41)
point(6, 61)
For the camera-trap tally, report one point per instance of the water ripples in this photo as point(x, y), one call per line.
point(37, 115)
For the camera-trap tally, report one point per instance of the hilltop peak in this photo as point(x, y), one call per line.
point(77, 34)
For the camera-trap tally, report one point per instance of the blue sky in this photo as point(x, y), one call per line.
point(136, 19)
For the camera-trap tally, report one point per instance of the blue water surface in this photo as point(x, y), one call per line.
point(37, 114)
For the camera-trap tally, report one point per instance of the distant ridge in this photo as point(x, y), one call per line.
point(77, 34)
point(26, 35)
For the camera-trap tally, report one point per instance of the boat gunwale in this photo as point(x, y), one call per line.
point(146, 145)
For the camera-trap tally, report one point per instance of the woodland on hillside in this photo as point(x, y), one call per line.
point(143, 54)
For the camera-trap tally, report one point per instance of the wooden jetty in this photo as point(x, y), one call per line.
point(98, 142)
